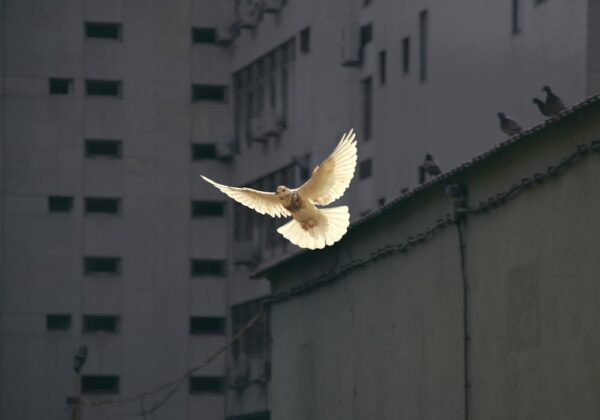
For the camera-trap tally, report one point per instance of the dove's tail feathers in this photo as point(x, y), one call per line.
point(331, 226)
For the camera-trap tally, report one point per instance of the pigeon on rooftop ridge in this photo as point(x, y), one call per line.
point(541, 106)
point(429, 167)
point(311, 227)
point(554, 105)
point(508, 125)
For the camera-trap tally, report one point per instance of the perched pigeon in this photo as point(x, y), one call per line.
point(311, 227)
point(554, 105)
point(541, 106)
point(508, 125)
point(429, 167)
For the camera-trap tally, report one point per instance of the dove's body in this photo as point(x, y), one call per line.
point(311, 227)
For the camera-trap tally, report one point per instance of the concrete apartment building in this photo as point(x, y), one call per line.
point(111, 109)
point(418, 314)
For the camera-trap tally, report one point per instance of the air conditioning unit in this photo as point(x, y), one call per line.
point(272, 6)
point(225, 34)
point(351, 49)
point(249, 14)
point(257, 132)
point(246, 253)
point(225, 148)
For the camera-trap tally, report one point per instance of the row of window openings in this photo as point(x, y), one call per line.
point(198, 325)
point(114, 88)
point(112, 266)
point(109, 384)
point(64, 204)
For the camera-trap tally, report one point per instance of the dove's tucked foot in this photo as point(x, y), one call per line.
point(331, 225)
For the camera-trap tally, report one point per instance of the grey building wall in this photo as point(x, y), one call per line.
point(386, 340)
point(154, 234)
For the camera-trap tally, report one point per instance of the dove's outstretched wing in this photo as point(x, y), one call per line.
point(331, 178)
point(261, 201)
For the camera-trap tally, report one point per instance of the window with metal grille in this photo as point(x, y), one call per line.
point(207, 267)
point(103, 30)
point(60, 204)
point(95, 148)
point(207, 384)
point(102, 205)
point(204, 35)
point(203, 208)
point(99, 384)
point(103, 88)
point(217, 93)
point(59, 86)
point(102, 265)
point(207, 325)
point(58, 322)
point(100, 323)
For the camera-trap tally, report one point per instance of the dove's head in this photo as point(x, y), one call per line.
point(547, 89)
point(501, 115)
point(283, 192)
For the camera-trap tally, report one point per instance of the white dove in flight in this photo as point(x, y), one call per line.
point(311, 227)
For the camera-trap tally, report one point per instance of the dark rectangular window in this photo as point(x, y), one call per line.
point(208, 267)
point(207, 325)
point(102, 205)
point(517, 16)
point(60, 204)
point(103, 148)
point(103, 88)
point(58, 322)
point(382, 65)
point(367, 108)
point(204, 35)
point(204, 151)
point(406, 55)
point(305, 41)
point(366, 34)
point(365, 169)
point(423, 41)
point(100, 384)
point(58, 86)
point(207, 384)
point(103, 30)
point(100, 323)
point(209, 93)
point(102, 265)
point(202, 208)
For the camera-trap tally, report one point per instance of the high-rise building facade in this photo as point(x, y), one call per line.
point(111, 109)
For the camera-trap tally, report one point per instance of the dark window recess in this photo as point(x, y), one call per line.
point(100, 384)
point(60, 86)
point(204, 151)
point(103, 30)
point(100, 323)
point(207, 384)
point(102, 265)
point(208, 268)
point(406, 55)
point(538, 2)
point(209, 93)
point(103, 87)
point(204, 35)
point(517, 16)
point(103, 205)
point(103, 148)
point(207, 325)
point(367, 105)
point(60, 204)
point(58, 322)
point(366, 34)
point(382, 67)
point(365, 169)
point(305, 41)
point(202, 208)
point(423, 41)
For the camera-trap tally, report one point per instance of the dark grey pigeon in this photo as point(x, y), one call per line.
point(429, 167)
point(508, 125)
point(541, 106)
point(554, 105)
